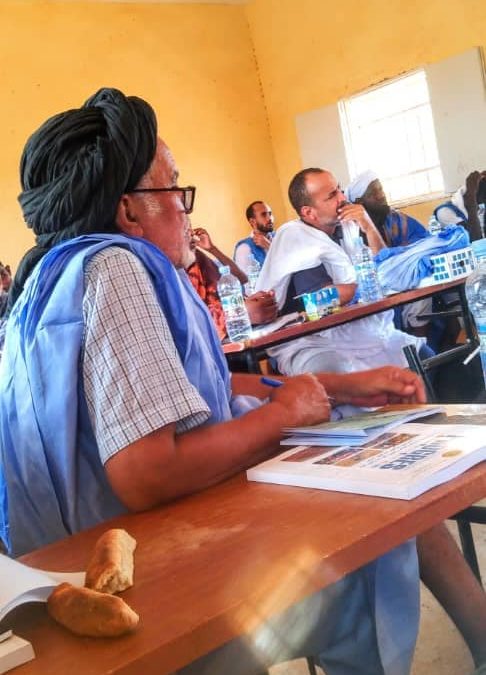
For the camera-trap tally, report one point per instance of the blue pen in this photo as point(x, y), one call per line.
point(278, 383)
point(271, 382)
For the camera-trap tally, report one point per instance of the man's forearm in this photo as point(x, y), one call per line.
point(163, 466)
point(472, 225)
point(375, 240)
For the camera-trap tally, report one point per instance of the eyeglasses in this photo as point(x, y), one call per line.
point(188, 194)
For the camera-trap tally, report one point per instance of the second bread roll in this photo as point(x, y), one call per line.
point(110, 569)
point(89, 613)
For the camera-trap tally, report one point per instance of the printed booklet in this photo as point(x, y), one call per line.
point(401, 463)
point(358, 429)
point(20, 583)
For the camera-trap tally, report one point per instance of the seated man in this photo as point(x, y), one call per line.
point(305, 257)
point(204, 276)
point(462, 208)
point(397, 229)
point(126, 399)
point(260, 217)
point(126, 402)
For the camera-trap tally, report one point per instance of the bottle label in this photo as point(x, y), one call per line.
point(233, 304)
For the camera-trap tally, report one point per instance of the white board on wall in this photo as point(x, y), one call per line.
point(321, 141)
point(458, 100)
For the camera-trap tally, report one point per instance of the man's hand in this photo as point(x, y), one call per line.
point(261, 307)
point(472, 185)
point(376, 387)
point(261, 240)
point(203, 240)
point(359, 214)
point(304, 399)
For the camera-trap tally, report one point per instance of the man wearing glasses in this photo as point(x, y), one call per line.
point(126, 400)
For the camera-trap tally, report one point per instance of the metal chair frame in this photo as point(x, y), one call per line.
point(473, 514)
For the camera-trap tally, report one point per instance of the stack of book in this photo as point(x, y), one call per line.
point(380, 453)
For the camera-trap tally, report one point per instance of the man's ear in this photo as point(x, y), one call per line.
point(126, 219)
point(307, 213)
point(252, 222)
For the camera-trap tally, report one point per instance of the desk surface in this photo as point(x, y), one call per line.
point(212, 566)
point(344, 315)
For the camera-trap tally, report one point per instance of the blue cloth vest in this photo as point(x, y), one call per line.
point(54, 483)
point(257, 251)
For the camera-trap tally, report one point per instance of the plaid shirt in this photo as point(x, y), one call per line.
point(133, 378)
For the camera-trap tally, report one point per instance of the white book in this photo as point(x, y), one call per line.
point(20, 583)
point(14, 651)
point(401, 463)
point(358, 429)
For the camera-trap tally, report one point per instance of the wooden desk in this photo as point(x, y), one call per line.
point(213, 566)
point(254, 349)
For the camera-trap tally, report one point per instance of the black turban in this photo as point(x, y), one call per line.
point(77, 165)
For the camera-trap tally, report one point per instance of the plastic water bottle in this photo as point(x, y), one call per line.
point(369, 286)
point(238, 324)
point(476, 297)
point(252, 272)
point(434, 225)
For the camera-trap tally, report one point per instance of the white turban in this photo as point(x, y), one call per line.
point(359, 185)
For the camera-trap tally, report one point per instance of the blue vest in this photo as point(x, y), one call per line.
point(54, 482)
point(257, 252)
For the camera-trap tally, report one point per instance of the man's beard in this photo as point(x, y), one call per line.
point(265, 229)
point(378, 213)
point(188, 258)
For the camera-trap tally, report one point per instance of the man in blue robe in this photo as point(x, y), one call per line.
point(466, 206)
point(115, 397)
point(260, 217)
point(396, 227)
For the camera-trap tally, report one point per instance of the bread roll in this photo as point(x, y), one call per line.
point(110, 569)
point(89, 613)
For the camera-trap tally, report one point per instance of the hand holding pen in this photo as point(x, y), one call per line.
point(271, 382)
point(304, 398)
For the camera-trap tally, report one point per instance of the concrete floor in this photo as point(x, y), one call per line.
point(440, 648)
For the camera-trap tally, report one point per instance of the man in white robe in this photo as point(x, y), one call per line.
point(305, 256)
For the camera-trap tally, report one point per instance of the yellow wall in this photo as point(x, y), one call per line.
point(194, 63)
point(311, 53)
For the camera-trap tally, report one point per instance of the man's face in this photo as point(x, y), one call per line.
point(262, 220)
point(326, 198)
point(161, 215)
point(374, 199)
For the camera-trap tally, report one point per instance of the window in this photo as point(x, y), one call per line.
point(390, 129)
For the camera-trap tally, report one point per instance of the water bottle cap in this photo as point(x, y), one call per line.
point(479, 248)
point(224, 269)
